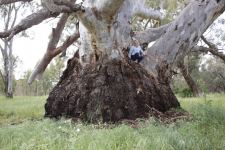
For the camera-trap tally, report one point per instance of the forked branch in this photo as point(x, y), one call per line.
point(151, 34)
point(213, 51)
point(39, 70)
point(58, 6)
point(29, 21)
point(52, 51)
point(39, 16)
point(4, 2)
point(56, 32)
point(145, 12)
point(109, 7)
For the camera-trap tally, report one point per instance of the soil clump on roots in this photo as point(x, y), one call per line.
point(109, 92)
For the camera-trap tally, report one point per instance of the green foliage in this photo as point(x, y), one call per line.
point(186, 93)
point(45, 84)
point(213, 75)
point(180, 87)
point(205, 131)
point(171, 8)
point(1, 86)
point(21, 108)
point(209, 76)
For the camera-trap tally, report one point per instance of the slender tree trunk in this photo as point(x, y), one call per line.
point(9, 22)
point(189, 80)
point(10, 72)
point(6, 67)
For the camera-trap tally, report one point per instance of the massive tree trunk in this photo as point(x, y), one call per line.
point(102, 84)
point(106, 86)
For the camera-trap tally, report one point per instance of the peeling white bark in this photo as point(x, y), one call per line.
point(9, 22)
point(152, 34)
point(105, 28)
point(105, 25)
point(183, 33)
point(141, 10)
point(4, 2)
point(105, 31)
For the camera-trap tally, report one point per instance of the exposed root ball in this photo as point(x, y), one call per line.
point(108, 92)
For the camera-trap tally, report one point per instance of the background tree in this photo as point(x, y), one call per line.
point(213, 74)
point(189, 69)
point(45, 84)
point(9, 14)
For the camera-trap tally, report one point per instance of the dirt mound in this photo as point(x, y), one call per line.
point(108, 92)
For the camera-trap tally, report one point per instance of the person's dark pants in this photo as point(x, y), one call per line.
point(137, 57)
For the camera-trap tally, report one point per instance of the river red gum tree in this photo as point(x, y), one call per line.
point(100, 83)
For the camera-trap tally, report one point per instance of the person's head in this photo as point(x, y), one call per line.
point(135, 42)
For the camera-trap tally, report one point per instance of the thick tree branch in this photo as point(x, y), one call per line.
point(152, 34)
point(52, 51)
point(69, 41)
point(183, 34)
point(28, 22)
point(70, 3)
point(191, 83)
point(145, 12)
point(40, 16)
point(108, 7)
point(58, 6)
point(50, 55)
point(213, 51)
point(56, 32)
point(211, 45)
point(53, 7)
point(4, 2)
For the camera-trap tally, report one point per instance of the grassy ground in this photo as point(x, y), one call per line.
point(22, 127)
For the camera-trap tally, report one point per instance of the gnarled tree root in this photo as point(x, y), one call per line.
point(108, 92)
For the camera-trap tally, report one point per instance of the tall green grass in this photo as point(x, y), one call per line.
point(18, 109)
point(205, 131)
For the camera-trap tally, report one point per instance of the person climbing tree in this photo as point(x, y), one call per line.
point(135, 51)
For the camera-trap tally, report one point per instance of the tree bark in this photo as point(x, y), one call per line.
point(183, 33)
point(189, 80)
point(108, 92)
point(3, 2)
point(8, 68)
point(101, 83)
point(10, 72)
point(108, 86)
point(10, 20)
